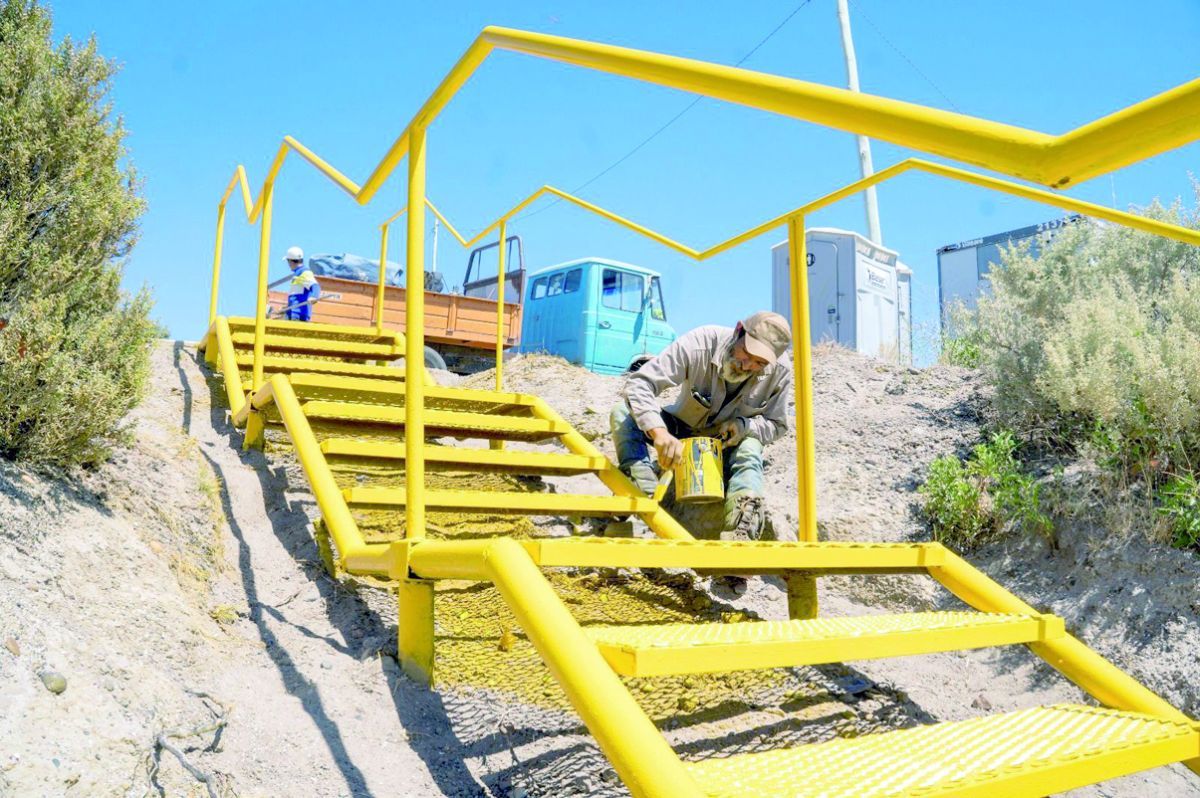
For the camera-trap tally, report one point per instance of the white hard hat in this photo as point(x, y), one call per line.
point(294, 253)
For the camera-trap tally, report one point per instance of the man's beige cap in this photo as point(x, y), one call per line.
point(767, 335)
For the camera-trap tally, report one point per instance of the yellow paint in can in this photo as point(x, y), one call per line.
point(699, 474)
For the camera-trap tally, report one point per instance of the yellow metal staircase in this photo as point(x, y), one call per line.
point(358, 422)
point(343, 404)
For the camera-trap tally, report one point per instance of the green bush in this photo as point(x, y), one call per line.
point(67, 385)
point(74, 351)
point(953, 503)
point(969, 503)
point(960, 340)
point(962, 350)
point(1098, 340)
point(1179, 501)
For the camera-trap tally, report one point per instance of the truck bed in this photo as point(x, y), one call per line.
point(449, 318)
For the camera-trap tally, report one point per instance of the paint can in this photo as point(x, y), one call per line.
point(700, 472)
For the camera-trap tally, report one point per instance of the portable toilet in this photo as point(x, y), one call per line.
point(904, 312)
point(852, 291)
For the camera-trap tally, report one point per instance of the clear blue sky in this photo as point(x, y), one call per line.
point(206, 86)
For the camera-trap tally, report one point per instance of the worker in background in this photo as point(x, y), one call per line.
point(733, 386)
point(304, 290)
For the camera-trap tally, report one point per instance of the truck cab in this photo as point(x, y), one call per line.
point(604, 315)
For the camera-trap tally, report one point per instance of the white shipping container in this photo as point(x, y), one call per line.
point(852, 291)
point(963, 268)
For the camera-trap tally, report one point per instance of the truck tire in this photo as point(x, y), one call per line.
point(434, 360)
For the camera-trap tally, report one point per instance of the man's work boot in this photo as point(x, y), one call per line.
point(745, 515)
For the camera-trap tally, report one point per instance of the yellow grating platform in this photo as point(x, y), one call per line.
point(323, 346)
point(373, 391)
point(273, 364)
point(308, 329)
point(737, 556)
point(498, 502)
point(461, 458)
point(441, 422)
point(714, 648)
point(1028, 753)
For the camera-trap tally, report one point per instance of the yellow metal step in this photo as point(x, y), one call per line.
point(464, 459)
point(717, 647)
point(275, 364)
point(737, 556)
point(441, 422)
point(483, 501)
point(392, 392)
point(1033, 752)
point(308, 329)
point(319, 346)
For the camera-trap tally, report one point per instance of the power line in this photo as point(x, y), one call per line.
point(670, 121)
point(859, 10)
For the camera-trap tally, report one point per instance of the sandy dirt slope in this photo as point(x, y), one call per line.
point(100, 582)
point(187, 566)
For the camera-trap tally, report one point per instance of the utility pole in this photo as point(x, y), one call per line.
point(864, 143)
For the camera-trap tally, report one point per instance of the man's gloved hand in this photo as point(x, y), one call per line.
point(669, 448)
point(731, 432)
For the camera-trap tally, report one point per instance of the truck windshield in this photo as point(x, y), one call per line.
point(622, 290)
point(658, 310)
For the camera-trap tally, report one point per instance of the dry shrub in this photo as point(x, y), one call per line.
point(1096, 343)
point(74, 351)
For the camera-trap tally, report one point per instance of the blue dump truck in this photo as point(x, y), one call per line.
point(604, 315)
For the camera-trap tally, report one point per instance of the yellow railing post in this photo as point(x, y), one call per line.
point(260, 312)
point(500, 308)
point(414, 629)
point(802, 588)
point(216, 274)
point(806, 456)
point(414, 351)
point(500, 319)
point(383, 242)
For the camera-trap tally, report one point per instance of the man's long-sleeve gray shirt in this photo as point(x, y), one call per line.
point(693, 362)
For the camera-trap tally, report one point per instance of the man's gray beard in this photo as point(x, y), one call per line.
point(731, 373)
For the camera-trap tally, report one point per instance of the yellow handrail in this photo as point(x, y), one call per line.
point(1153, 126)
point(1140, 131)
point(355, 554)
point(637, 750)
point(1146, 224)
point(801, 352)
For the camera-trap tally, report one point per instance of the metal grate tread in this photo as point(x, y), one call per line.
point(505, 502)
point(274, 364)
point(367, 390)
point(464, 459)
point(441, 422)
point(1031, 752)
point(716, 647)
point(321, 346)
point(737, 556)
point(310, 329)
